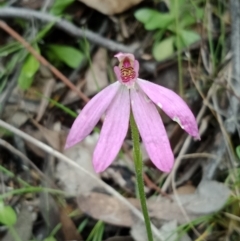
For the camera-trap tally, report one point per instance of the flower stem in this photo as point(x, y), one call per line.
point(137, 156)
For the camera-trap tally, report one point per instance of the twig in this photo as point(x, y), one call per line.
point(152, 185)
point(46, 5)
point(187, 175)
point(199, 155)
point(70, 162)
point(65, 26)
point(42, 60)
point(230, 90)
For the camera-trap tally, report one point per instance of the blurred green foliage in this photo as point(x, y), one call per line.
point(171, 26)
point(238, 151)
point(70, 56)
point(59, 6)
point(8, 216)
point(28, 71)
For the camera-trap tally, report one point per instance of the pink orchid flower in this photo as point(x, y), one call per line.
point(131, 93)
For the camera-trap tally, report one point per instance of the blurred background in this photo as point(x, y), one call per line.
point(55, 55)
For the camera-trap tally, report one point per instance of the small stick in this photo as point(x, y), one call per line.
point(66, 26)
point(42, 60)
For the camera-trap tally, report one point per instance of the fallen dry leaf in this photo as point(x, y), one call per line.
point(209, 197)
point(138, 232)
point(14, 116)
point(37, 135)
point(168, 232)
point(186, 189)
point(96, 75)
point(110, 7)
point(109, 209)
point(53, 138)
point(71, 95)
point(68, 227)
point(106, 208)
point(48, 88)
point(164, 209)
point(73, 182)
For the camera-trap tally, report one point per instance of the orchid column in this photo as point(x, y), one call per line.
point(130, 95)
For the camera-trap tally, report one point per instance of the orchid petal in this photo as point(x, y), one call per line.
point(122, 56)
point(152, 131)
point(113, 131)
point(136, 67)
point(91, 114)
point(172, 104)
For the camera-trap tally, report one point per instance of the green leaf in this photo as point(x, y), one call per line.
point(29, 69)
point(9, 48)
point(160, 21)
point(59, 6)
point(152, 19)
point(68, 55)
point(187, 20)
point(7, 215)
point(188, 37)
point(199, 12)
point(163, 49)
point(4, 3)
point(173, 6)
point(238, 151)
point(42, 33)
point(190, 18)
point(2, 84)
point(144, 15)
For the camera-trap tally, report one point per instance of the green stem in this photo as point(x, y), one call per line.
point(137, 156)
point(30, 190)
